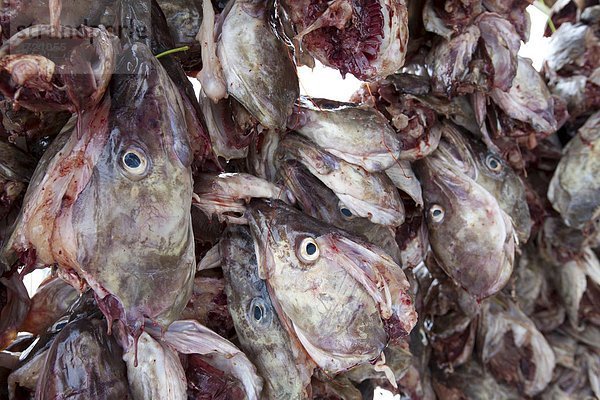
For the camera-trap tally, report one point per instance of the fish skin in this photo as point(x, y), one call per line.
point(192, 338)
point(154, 370)
point(360, 135)
point(83, 362)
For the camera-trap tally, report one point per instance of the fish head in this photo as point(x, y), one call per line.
point(294, 240)
point(574, 188)
point(146, 101)
point(491, 171)
point(316, 271)
point(265, 85)
point(506, 336)
point(470, 235)
point(244, 287)
point(132, 220)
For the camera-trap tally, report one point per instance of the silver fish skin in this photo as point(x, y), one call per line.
point(369, 195)
point(574, 190)
point(358, 134)
point(257, 66)
point(315, 271)
point(279, 359)
point(471, 237)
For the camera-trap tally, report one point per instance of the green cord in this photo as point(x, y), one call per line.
point(540, 5)
point(171, 51)
point(551, 25)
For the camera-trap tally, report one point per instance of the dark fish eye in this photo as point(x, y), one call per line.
point(60, 324)
point(309, 250)
point(493, 163)
point(258, 312)
point(345, 212)
point(134, 162)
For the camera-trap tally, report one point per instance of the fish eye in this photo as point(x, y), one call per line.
point(134, 162)
point(60, 324)
point(258, 312)
point(437, 213)
point(309, 250)
point(493, 163)
point(345, 211)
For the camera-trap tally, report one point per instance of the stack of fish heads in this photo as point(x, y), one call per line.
point(437, 236)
